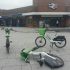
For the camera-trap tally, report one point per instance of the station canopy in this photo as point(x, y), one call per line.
point(46, 13)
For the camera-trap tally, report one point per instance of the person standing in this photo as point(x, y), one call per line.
point(41, 23)
point(57, 23)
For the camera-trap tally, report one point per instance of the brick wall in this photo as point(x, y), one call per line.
point(42, 5)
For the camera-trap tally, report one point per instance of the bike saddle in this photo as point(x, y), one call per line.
point(53, 63)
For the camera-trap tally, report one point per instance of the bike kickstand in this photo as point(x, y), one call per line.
point(51, 45)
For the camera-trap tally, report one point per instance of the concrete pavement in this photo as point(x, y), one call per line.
point(24, 38)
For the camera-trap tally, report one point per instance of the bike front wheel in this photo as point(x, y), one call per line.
point(7, 49)
point(7, 45)
point(61, 44)
point(40, 41)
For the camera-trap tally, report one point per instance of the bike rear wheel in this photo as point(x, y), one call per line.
point(61, 44)
point(40, 41)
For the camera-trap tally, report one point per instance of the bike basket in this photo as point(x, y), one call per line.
point(42, 31)
point(23, 54)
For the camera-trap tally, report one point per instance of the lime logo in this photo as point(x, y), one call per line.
point(52, 5)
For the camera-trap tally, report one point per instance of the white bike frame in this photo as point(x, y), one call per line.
point(37, 55)
point(51, 39)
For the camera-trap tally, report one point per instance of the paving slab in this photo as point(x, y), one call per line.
point(11, 68)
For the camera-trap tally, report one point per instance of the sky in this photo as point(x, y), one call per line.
point(11, 4)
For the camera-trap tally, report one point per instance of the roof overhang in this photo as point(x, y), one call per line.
point(46, 13)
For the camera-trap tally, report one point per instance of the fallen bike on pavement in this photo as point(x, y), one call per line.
point(51, 60)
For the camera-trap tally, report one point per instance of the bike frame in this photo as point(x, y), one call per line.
point(51, 39)
point(26, 54)
point(42, 32)
point(42, 53)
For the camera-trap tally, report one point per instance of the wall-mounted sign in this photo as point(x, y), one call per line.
point(52, 6)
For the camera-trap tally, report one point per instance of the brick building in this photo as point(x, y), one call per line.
point(14, 17)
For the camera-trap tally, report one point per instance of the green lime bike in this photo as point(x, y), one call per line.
point(51, 60)
point(58, 41)
point(7, 31)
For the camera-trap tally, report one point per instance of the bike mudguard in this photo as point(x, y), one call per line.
point(53, 63)
point(59, 38)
